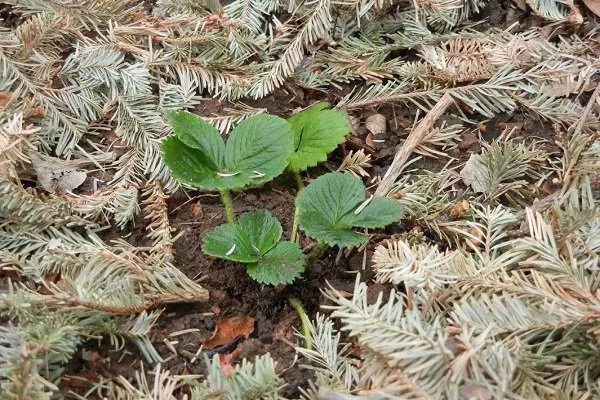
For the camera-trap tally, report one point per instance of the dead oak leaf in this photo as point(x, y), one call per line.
point(376, 124)
point(229, 329)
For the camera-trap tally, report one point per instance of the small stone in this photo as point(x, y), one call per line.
point(251, 197)
point(376, 124)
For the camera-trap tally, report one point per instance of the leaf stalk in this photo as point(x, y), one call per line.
point(300, 184)
point(304, 321)
point(228, 203)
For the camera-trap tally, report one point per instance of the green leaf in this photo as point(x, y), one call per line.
point(187, 164)
point(229, 242)
point(254, 239)
point(317, 132)
point(246, 241)
point(334, 203)
point(282, 264)
point(259, 145)
point(262, 228)
point(257, 151)
point(380, 211)
point(198, 134)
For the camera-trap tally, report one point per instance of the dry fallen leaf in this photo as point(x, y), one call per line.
point(82, 379)
point(561, 89)
point(197, 209)
point(467, 140)
point(55, 174)
point(37, 112)
point(229, 329)
point(593, 6)
point(477, 237)
point(376, 124)
point(285, 327)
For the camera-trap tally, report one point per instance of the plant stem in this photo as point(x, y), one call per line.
point(295, 223)
point(304, 321)
point(228, 203)
point(316, 253)
point(298, 178)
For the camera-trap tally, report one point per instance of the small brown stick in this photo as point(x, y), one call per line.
point(412, 141)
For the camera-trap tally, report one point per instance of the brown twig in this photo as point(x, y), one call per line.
point(412, 141)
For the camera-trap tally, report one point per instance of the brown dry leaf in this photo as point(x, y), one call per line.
point(197, 209)
point(593, 6)
point(229, 329)
point(457, 210)
point(285, 327)
point(509, 126)
point(82, 379)
point(5, 97)
point(399, 195)
point(467, 140)
point(416, 230)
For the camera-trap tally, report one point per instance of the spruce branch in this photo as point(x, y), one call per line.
point(414, 265)
point(91, 14)
point(316, 25)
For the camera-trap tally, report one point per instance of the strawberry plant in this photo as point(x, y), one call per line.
point(257, 151)
point(255, 240)
point(333, 204)
point(316, 131)
point(260, 148)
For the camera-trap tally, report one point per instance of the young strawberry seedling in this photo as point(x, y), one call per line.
point(258, 150)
